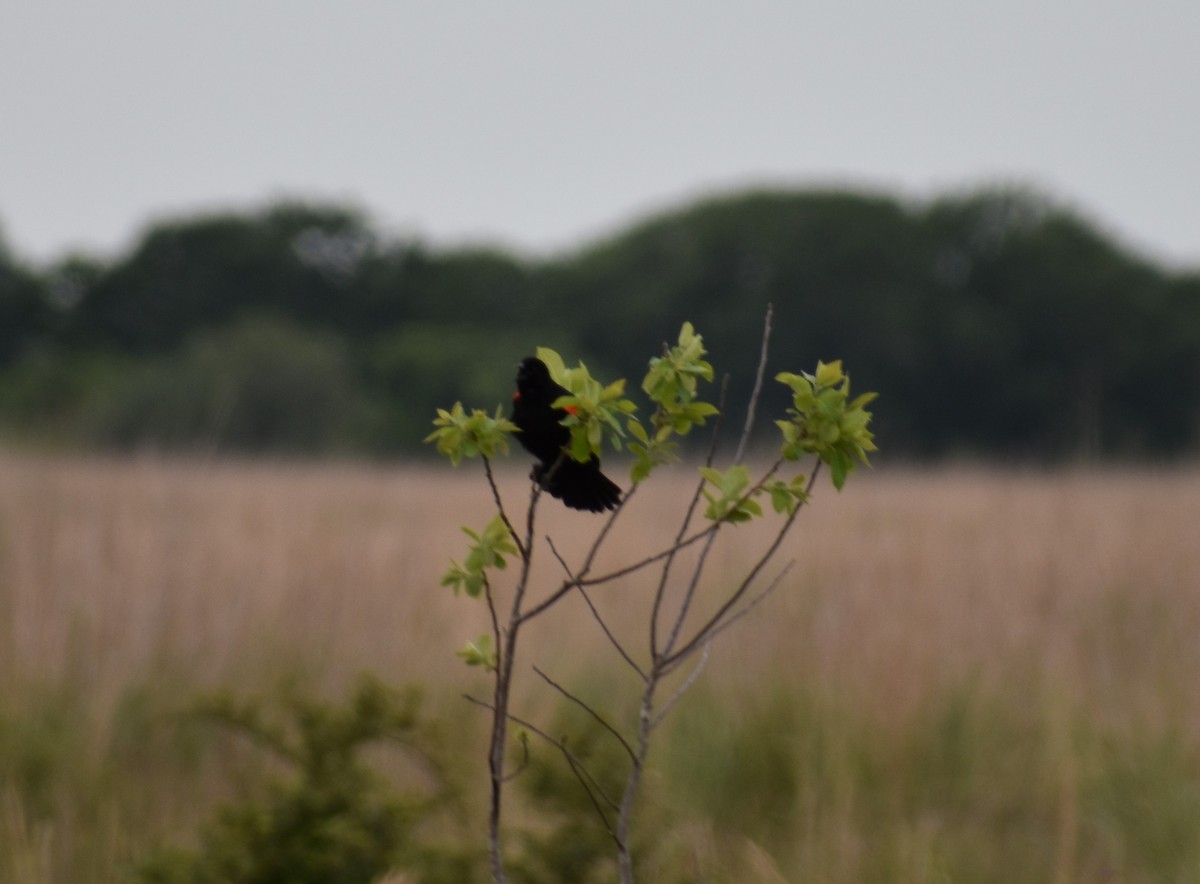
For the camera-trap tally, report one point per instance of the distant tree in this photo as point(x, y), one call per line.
point(1049, 338)
point(24, 308)
point(189, 275)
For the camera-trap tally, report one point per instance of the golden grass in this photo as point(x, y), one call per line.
point(1076, 592)
point(1091, 580)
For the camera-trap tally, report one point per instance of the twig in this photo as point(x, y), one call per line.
point(689, 595)
point(491, 603)
point(703, 632)
point(600, 719)
point(716, 630)
point(752, 408)
point(577, 765)
point(683, 688)
point(579, 770)
point(686, 604)
point(487, 467)
point(750, 605)
point(661, 589)
point(595, 613)
point(506, 651)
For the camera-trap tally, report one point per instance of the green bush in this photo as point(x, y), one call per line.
point(332, 818)
point(262, 385)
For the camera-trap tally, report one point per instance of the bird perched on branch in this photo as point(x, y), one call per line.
point(580, 486)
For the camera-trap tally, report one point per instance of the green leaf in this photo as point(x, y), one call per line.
point(637, 431)
point(479, 653)
point(554, 362)
point(829, 374)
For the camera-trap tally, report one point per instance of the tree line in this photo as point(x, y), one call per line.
point(301, 328)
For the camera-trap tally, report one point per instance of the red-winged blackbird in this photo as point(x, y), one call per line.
point(580, 486)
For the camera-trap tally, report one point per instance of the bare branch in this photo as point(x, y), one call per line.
point(704, 631)
point(595, 613)
point(579, 579)
point(689, 595)
point(576, 763)
point(580, 771)
point(600, 719)
point(491, 603)
point(651, 559)
point(683, 688)
point(660, 591)
point(686, 604)
point(487, 468)
point(752, 408)
point(750, 605)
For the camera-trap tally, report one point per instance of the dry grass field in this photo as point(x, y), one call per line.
point(968, 674)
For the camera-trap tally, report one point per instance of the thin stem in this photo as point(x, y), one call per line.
point(661, 590)
point(751, 411)
point(580, 579)
point(589, 783)
point(683, 688)
point(686, 604)
point(491, 603)
point(487, 468)
point(633, 781)
point(703, 633)
point(595, 612)
point(506, 652)
point(752, 408)
point(750, 605)
point(600, 719)
point(612, 638)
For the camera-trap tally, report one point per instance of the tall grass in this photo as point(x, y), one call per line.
point(967, 675)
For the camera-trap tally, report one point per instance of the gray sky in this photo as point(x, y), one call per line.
point(537, 124)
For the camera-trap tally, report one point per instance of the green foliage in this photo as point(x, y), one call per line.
point(42, 748)
point(974, 786)
point(333, 818)
point(595, 411)
point(1145, 788)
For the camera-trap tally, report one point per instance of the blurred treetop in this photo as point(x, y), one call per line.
point(1050, 339)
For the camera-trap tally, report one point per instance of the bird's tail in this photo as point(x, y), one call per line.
point(581, 486)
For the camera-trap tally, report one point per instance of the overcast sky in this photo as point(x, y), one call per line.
point(537, 124)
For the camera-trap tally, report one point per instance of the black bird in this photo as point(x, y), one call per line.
point(581, 486)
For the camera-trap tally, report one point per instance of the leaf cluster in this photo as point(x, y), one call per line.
point(487, 550)
point(460, 435)
point(824, 421)
point(593, 409)
point(671, 383)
